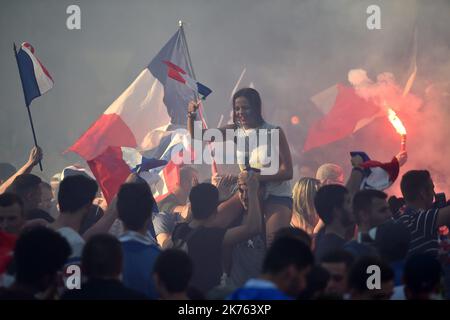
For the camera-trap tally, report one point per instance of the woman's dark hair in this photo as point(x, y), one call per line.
point(254, 99)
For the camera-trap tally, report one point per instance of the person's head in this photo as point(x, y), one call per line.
point(330, 173)
point(135, 204)
point(373, 272)
point(172, 272)
point(27, 187)
point(204, 199)
point(422, 277)
point(392, 241)
point(317, 281)
point(76, 194)
point(46, 197)
point(187, 176)
point(6, 171)
point(303, 195)
point(102, 257)
point(395, 204)
point(338, 264)
point(333, 205)
point(370, 209)
point(418, 188)
point(12, 217)
point(296, 233)
point(39, 255)
point(247, 108)
point(287, 264)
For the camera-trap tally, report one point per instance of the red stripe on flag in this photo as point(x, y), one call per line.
point(171, 178)
point(340, 122)
point(108, 130)
point(110, 171)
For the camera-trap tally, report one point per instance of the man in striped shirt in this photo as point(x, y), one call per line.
point(420, 216)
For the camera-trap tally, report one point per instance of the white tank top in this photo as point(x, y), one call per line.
point(259, 155)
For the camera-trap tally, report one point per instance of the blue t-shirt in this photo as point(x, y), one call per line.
point(139, 256)
point(258, 289)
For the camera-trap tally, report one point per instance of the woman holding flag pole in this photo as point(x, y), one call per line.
point(276, 189)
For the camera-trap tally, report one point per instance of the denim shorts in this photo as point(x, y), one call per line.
point(281, 200)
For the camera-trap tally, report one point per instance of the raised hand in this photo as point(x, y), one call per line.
point(36, 156)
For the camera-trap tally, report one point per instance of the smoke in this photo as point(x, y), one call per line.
point(291, 51)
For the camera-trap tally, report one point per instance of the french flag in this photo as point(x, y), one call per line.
point(178, 74)
point(344, 113)
point(36, 80)
point(142, 117)
point(378, 175)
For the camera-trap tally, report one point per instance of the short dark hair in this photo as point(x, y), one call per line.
point(8, 199)
point(75, 192)
point(392, 241)
point(102, 256)
point(328, 198)
point(413, 182)
point(296, 233)
point(24, 184)
point(339, 256)
point(362, 200)
point(204, 199)
point(286, 251)
point(357, 278)
point(135, 204)
point(174, 268)
point(6, 170)
point(39, 252)
point(254, 99)
point(422, 273)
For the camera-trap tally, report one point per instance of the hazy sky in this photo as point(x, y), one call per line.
point(291, 50)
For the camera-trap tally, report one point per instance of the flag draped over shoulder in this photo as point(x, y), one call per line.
point(36, 80)
point(142, 117)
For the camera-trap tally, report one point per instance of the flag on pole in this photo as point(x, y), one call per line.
point(178, 74)
point(36, 80)
point(142, 117)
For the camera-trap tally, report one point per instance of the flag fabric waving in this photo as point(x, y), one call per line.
point(36, 80)
point(142, 117)
point(347, 110)
point(379, 176)
point(177, 73)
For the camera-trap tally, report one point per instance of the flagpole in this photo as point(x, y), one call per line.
point(28, 108)
point(191, 69)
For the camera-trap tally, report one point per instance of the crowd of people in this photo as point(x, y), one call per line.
point(236, 238)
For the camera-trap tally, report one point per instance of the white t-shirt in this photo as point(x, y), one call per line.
point(76, 242)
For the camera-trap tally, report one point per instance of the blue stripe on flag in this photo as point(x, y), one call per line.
point(26, 70)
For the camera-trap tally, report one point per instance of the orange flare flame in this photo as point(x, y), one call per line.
point(396, 122)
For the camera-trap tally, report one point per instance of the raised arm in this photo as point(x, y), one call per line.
point(354, 181)
point(251, 225)
point(33, 159)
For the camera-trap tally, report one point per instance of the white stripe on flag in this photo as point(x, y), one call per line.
point(44, 83)
point(142, 108)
